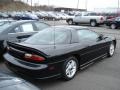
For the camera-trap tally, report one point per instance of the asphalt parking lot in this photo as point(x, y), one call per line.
point(103, 75)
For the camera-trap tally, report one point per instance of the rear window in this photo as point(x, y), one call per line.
point(49, 36)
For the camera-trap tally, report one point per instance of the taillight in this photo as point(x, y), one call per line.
point(32, 57)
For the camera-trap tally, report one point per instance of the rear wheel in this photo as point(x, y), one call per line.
point(111, 50)
point(93, 23)
point(70, 68)
point(70, 22)
point(113, 26)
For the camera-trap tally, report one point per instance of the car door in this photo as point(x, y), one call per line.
point(95, 46)
point(77, 18)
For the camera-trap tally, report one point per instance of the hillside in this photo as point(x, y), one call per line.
point(11, 5)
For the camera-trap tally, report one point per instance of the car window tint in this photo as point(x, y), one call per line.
point(27, 27)
point(61, 37)
point(43, 37)
point(41, 26)
point(49, 36)
point(87, 35)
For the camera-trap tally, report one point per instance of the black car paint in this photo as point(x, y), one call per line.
point(112, 21)
point(55, 56)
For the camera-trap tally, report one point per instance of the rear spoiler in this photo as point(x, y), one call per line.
point(26, 49)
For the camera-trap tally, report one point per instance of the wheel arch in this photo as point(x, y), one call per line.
point(93, 20)
point(78, 59)
point(115, 42)
point(69, 19)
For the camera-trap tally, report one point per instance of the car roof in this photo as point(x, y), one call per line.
point(71, 27)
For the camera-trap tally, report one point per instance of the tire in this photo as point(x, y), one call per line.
point(70, 68)
point(70, 22)
point(113, 26)
point(93, 23)
point(111, 49)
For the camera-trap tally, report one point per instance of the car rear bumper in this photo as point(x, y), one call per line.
point(32, 70)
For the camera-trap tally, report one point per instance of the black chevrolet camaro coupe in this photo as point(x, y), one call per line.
point(58, 51)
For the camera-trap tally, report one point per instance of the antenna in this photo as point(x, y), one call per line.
point(54, 32)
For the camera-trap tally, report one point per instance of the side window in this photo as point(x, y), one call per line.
point(40, 25)
point(28, 27)
point(87, 35)
point(87, 14)
point(62, 37)
point(15, 30)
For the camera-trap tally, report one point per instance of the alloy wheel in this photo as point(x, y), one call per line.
point(111, 49)
point(70, 22)
point(71, 68)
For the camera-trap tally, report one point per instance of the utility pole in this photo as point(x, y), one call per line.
point(118, 8)
point(86, 3)
point(78, 4)
point(48, 2)
point(118, 4)
point(31, 5)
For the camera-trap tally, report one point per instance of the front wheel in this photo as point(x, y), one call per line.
point(70, 68)
point(70, 22)
point(111, 50)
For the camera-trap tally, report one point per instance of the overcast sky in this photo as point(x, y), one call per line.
point(91, 4)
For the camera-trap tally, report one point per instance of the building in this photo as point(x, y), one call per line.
point(63, 9)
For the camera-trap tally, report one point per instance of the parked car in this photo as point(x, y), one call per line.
point(87, 18)
point(13, 83)
point(26, 16)
point(113, 23)
point(18, 31)
point(45, 15)
point(53, 16)
point(3, 15)
point(60, 52)
point(61, 15)
point(40, 15)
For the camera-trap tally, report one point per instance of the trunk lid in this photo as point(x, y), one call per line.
point(18, 50)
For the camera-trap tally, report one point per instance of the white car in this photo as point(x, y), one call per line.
point(87, 18)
